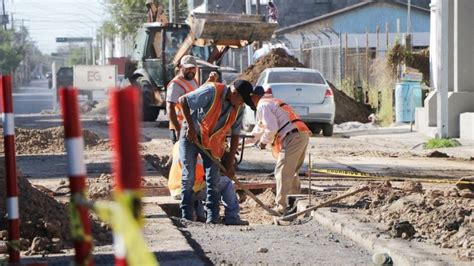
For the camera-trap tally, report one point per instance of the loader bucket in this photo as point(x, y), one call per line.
point(213, 26)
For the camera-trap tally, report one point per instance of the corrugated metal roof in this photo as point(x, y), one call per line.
point(341, 11)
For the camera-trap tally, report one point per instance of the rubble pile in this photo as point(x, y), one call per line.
point(44, 221)
point(162, 164)
point(102, 187)
point(347, 109)
point(441, 217)
point(51, 140)
point(254, 213)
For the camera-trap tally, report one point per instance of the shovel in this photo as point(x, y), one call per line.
point(291, 217)
point(237, 182)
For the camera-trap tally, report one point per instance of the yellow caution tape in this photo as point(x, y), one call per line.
point(123, 222)
point(131, 199)
point(14, 244)
point(77, 231)
point(370, 175)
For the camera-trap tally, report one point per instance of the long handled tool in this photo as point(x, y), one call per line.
point(237, 182)
point(294, 215)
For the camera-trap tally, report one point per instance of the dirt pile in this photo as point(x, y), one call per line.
point(347, 109)
point(44, 221)
point(276, 58)
point(102, 187)
point(162, 164)
point(51, 140)
point(441, 217)
point(252, 212)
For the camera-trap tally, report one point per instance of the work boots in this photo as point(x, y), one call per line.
point(236, 221)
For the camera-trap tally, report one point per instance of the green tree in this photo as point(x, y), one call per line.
point(10, 54)
point(128, 15)
point(76, 56)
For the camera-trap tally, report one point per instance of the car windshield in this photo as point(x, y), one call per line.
point(295, 77)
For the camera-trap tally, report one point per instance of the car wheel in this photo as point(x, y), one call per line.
point(150, 112)
point(327, 130)
point(315, 128)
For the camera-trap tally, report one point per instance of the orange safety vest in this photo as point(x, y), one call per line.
point(215, 142)
point(293, 118)
point(174, 179)
point(187, 88)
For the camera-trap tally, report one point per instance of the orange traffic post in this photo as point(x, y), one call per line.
point(10, 170)
point(124, 132)
point(79, 215)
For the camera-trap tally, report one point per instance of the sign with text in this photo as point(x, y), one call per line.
point(73, 39)
point(95, 77)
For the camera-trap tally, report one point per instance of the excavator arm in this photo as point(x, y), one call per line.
point(224, 31)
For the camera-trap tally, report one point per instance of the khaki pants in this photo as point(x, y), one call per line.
point(289, 161)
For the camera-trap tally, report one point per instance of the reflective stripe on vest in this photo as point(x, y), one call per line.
point(174, 179)
point(187, 88)
point(215, 142)
point(293, 118)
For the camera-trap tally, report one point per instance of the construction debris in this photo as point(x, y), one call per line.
point(51, 140)
point(254, 213)
point(440, 217)
point(347, 109)
point(44, 220)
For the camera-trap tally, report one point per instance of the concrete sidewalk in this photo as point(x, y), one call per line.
point(163, 238)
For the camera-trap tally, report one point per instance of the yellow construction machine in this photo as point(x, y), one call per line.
point(158, 48)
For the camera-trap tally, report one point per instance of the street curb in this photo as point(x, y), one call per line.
point(401, 251)
point(165, 240)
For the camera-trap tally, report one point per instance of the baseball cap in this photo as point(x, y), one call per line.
point(188, 61)
point(246, 90)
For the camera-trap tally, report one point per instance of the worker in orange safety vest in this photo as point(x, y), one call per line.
point(279, 125)
point(183, 83)
point(210, 112)
point(225, 187)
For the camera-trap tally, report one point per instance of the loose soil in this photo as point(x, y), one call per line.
point(254, 213)
point(102, 187)
point(440, 217)
point(347, 109)
point(44, 220)
point(51, 140)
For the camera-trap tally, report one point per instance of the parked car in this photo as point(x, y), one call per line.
point(306, 90)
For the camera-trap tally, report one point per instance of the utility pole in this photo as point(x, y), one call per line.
point(248, 7)
point(4, 21)
point(442, 26)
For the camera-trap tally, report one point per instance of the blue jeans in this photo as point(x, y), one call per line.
point(229, 198)
point(188, 152)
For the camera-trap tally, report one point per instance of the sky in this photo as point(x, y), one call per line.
point(48, 19)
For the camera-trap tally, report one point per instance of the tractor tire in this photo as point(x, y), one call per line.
point(327, 130)
point(150, 112)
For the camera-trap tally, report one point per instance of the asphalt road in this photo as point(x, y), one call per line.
point(34, 98)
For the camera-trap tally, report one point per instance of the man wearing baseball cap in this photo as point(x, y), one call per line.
point(210, 112)
point(183, 83)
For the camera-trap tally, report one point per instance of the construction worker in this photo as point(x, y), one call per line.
point(225, 187)
point(209, 113)
point(183, 83)
point(279, 125)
